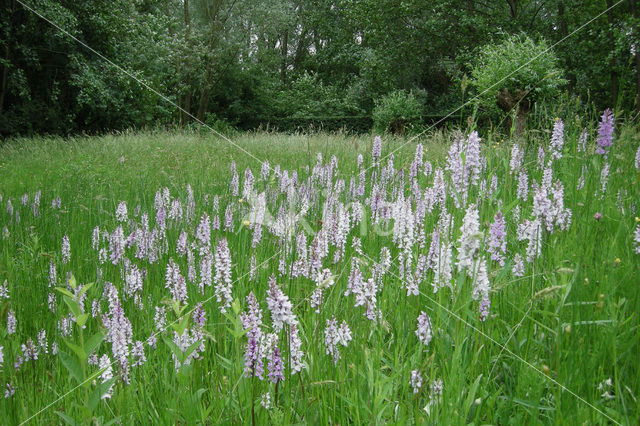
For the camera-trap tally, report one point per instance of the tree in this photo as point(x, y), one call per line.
point(514, 74)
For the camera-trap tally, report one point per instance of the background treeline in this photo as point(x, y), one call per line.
point(287, 63)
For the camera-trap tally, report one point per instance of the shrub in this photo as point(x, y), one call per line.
point(397, 112)
point(514, 74)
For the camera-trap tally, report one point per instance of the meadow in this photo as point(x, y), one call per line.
point(163, 278)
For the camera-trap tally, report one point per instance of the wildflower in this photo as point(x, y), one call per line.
point(480, 283)
point(9, 391)
point(606, 387)
point(206, 265)
point(11, 322)
point(436, 388)
point(636, 239)
point(160, 318)
point(442, 267)
point(66, 249)
point(335, 335)
point(557, 139)
point(121, 212)
point(55, 203)
point(377, 149)
point(276, 367)
point(295, 353)
point(228, 218)
point(493, 186)
point(416, 381)
point(469, 239)
point(541, 157)
point(497, 242)
point(605, 133)
point(175, 210)
point(222, 276)
point(523, 185)
point(152, 340)
point(597, 216)
point(107, 374)
point(4, 290)
point(424, 328)
point(181, 245)
point(247, 187)
point(119, 333)
point(42, 341)
point(517, 156)
point(417, 162)
point(1, 356)
point(582, 140)
point(175, 282)
point(191, 266)
point(365, 293)
point(116, 245)
point(581, 179)
point(518, 266)
point(484, 306)
point(137, 354)
point(133, 280)
point(324, 279)
point(604, 179)
point(199, 316)
point(637, 162)
point(279, 306)
point(252, 321)
point(30, 351)
point(234, 185)
point(203, 234)
point(190, 209)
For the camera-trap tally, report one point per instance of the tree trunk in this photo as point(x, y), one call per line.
point(613, 73)
point(300, 49)
point(507, 101)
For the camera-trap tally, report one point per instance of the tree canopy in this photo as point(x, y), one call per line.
point(253, 63)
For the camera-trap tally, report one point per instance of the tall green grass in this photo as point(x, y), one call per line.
point(571, 320)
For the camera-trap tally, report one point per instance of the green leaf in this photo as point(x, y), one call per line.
point(93, 343)
point(96, 395)
point(73, 306)
point(174, 348)
point(68, 420)
point(72, 281)
point(181, 326)
point(191, 348)
point(85, 288)
point(71, 364)
point(82, 319)
point(471, 396)
point(64, 291)
point(82, 355)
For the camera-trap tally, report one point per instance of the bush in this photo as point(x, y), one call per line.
point(397, 112)
point(514, 74)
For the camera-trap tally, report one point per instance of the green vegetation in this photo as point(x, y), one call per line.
point(559, 344)
point(514, 74)
point(295, 64)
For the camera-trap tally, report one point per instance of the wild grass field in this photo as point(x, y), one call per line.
point(163, 278)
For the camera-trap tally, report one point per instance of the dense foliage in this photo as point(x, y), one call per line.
point(252, 63)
